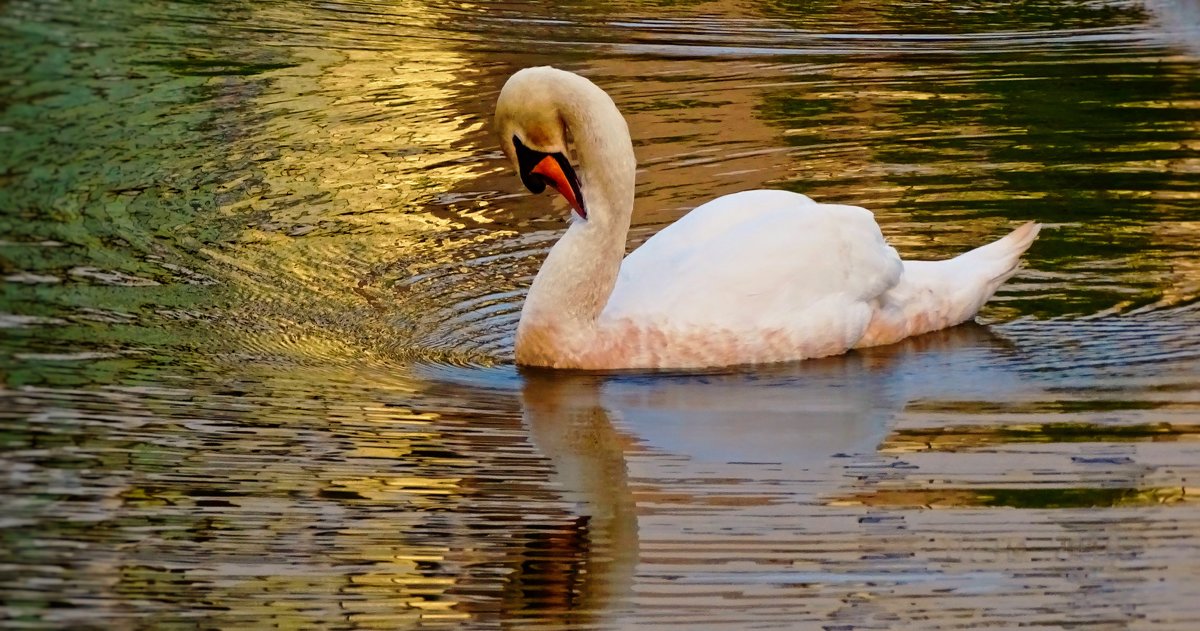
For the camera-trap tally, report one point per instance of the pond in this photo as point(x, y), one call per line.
point(262, 263)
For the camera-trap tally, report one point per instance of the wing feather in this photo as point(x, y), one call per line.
point(758, 260)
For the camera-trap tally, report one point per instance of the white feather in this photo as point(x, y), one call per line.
point(759, 260)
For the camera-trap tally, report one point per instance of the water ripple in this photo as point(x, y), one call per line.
point(262, 264)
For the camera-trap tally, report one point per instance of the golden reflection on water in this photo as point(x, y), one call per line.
point(331, 557)
point(353, 156)
point(336, 160)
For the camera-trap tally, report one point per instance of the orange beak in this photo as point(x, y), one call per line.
point(566, 185)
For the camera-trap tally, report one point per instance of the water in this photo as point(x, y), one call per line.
point(262, 263)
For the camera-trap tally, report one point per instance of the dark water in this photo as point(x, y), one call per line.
point(262, 263)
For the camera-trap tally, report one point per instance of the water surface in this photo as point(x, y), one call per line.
point(262, 264)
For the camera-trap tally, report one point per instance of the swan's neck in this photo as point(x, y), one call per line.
point(578, 276)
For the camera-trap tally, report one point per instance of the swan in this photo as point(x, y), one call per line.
point(755, 277)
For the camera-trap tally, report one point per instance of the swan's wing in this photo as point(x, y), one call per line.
point(759, 260)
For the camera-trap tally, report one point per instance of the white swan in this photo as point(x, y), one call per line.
point(754, 277)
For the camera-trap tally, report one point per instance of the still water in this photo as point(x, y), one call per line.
point(262, 264)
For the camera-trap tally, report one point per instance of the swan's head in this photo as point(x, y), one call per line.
point(534, 134)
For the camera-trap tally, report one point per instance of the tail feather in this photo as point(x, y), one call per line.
point(933, 295)
point(997, 261)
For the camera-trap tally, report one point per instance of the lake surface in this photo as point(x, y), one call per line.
point(262, 263)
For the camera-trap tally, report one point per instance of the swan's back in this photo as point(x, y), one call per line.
point(759, 261)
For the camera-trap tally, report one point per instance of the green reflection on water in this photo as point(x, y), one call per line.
point(1034, 498)
point(968, 437)
point(970, 17)
point(105, 198)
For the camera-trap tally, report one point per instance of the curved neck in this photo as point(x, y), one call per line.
point(578, 276)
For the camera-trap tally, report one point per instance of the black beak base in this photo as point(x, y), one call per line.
point(528, 159)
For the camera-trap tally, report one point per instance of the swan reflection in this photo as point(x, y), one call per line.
point(627, 450)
